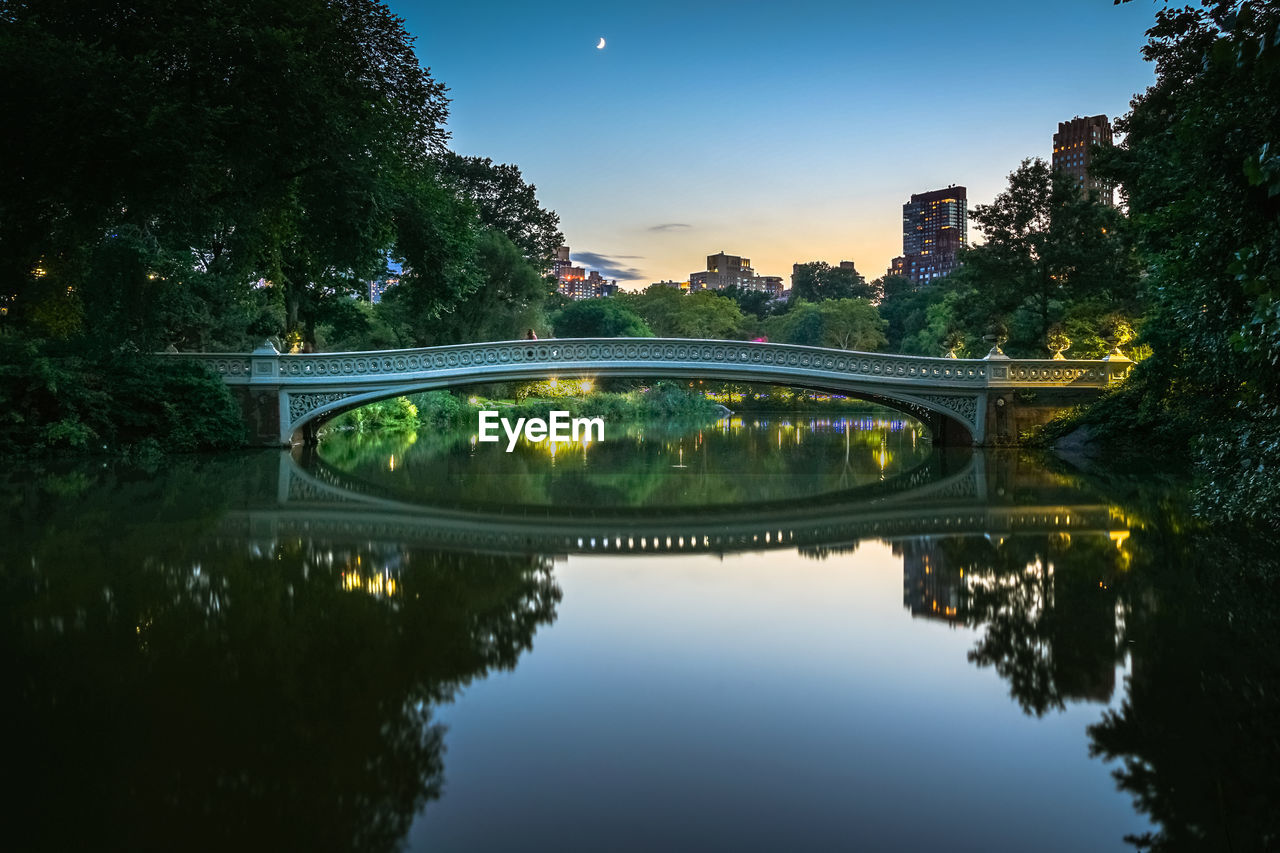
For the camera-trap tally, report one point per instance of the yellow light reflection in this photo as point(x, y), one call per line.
point(380, 585)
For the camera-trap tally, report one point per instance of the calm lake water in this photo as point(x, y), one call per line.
point(780, 633)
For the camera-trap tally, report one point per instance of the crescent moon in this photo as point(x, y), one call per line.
point(600, 46)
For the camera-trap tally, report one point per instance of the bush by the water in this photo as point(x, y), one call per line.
point(444, 410)
point(394, 414)
point(59, 399)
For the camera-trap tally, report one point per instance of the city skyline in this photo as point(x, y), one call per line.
point(779, 134)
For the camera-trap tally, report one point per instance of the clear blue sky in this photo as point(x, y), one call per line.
point(784, 132)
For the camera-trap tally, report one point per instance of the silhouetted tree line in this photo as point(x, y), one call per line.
point(180, 677)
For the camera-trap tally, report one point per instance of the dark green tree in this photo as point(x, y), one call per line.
point(1200, 169)
point(509, 301)
point(752, 303)
point(818, 280)
point(505, 203)
point(924, 319)
point(802, 324)
point(1050, 254)
point(672, 313)
point(852, 324)
point(599, 318)
point(282, 142)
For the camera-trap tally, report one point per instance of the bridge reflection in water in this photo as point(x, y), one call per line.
point(983, 540)
point(950, 495)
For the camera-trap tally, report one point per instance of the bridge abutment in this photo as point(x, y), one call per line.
point(260, 408)
point(948, 432)
point(261, 396)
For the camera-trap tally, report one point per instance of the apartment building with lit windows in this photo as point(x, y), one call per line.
point(576, 282)
point(935, 227)
point(733, 271)
point(1073, 148)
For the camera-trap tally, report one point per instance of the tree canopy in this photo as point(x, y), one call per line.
point(505, 203)
point(674, 314)
point(851, 324)
point(1051, 255)
point(288, 142)
point(1200, 170)
point(599, 318)
point(818, 280)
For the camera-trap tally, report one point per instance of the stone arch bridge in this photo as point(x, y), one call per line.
point(963, 401)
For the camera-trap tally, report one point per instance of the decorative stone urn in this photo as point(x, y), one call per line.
point(995, 341)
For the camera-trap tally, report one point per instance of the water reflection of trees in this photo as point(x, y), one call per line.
point(1198, 613)
point(642, 465)
point(170, 690)
point(1196, 736)
point(1046, 606)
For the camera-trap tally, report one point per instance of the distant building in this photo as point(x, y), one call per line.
point(733, 271)
point(929, 588)
point(561, 261)
point(378, 287)
point(935, 227)
point(576, 282)
point(599, 286)
point(1073, 147)
point(770, 284)
point(677, 285)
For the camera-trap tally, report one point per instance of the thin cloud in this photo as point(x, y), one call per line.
point(610, 266)
point(671, 226)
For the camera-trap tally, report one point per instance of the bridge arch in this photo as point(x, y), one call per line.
point(283, 394)
point(943, 421)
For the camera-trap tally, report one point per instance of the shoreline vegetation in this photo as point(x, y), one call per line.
point(661, 401)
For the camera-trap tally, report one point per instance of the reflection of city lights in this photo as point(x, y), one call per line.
point(380, 585)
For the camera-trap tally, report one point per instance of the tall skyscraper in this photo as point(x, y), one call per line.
point(935, 227)
point(1073, 146)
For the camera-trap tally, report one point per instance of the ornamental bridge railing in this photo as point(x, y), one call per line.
point(308, 387)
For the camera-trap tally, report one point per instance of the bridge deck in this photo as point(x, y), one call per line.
point(307, 387)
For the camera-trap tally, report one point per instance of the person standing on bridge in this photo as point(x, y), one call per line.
point(531, 335)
